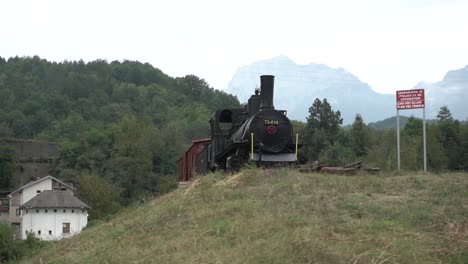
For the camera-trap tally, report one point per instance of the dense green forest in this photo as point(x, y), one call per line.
point(122, 126)
point(124, 122)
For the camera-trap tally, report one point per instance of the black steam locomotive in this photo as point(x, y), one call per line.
point(257, 133)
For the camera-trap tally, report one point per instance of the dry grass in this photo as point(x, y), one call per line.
point(283, 216)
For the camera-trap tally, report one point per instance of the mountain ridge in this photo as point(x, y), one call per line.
point(343, 90)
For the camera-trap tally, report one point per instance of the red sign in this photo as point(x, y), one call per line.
point(410, 99)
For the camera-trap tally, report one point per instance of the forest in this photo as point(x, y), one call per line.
point(122, 126)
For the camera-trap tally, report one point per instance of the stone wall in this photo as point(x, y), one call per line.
point(34, 159)
point(32, 150)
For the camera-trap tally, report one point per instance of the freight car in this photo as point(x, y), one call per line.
point(256, 133)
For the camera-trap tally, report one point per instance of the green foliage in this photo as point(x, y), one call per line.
point(6, 167)
point(414, 127)
point(122, 120)
point(8, 249)
point(336, 154)
point(298, 127)
point(323, 125)
point(447, 142)
point(101, 194)
point(444, 114)
point(11, 249)
point(360, 136)
point(451, 137)
point(132, 163)
point(167, 183)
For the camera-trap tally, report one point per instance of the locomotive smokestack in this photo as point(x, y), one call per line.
point(266, 91)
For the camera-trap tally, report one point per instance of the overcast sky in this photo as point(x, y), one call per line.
point(389, 44)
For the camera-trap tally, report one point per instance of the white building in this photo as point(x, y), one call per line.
point(31, 190)
point(53, 215)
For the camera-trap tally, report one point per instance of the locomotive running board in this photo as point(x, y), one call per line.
point(281, 157)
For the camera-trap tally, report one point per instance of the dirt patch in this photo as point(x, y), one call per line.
point(457, 231)
point(232, 181)
point(192, 186)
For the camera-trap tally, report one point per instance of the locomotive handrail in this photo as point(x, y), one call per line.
point(252, 145)
point(297, 142)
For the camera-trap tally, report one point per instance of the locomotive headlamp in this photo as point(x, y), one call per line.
point(271, 130)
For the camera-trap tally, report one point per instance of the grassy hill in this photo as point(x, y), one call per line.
point(283, 216)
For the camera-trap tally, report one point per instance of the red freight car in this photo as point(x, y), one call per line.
point(187, 164)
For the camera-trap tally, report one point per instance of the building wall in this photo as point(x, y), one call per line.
point(15, 203)
point(34, 159)
point(19, 198)
point(31, 191)
point(33, 221)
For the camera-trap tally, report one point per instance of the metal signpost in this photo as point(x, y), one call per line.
point(410, 99)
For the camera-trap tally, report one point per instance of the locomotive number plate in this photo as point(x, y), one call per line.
point(271, 122)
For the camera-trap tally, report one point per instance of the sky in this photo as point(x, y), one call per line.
point(389, 44)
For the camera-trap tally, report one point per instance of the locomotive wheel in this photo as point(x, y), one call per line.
point(235, 162)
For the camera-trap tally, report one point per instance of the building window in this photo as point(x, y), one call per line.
point(18, 212)
point(46, 210)
point(50, 232)
point(55, 210)
point(64, 210)
point(39, 232)
point(66, 228)
point(38, 191)
point(26, 211)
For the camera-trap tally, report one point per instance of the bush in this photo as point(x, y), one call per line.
point(9, 250)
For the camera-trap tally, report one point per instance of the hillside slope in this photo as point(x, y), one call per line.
point(282, 216)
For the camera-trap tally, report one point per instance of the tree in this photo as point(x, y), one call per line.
point(6, 167)
point(132, 159)
point(436, 156)
point(101, 194)
point(444, 114)
point(298, 127)
point(450, 137)
point(322, 128)
point(414, 127)
point(8, 248)
point(360, 136)
point(5, 130)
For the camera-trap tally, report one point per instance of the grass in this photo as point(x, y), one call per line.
point(283, 216)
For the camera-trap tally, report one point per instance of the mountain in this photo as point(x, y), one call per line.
point(297, 86)
point(389, 123)
point(451, 91)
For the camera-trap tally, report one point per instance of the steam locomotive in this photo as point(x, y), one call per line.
point(257, 133)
